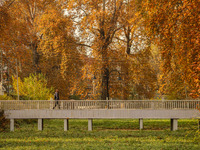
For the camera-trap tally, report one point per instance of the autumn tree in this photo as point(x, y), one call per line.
point(174, 27)
point(4, 19)
point(112, 30)
point(21, 38)
point(62, 60)
point(133, 40)
point(98, 21)
point(34, 44)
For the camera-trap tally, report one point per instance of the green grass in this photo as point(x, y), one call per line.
point(107, 134)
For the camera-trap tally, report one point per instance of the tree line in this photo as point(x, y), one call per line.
point(152, 45)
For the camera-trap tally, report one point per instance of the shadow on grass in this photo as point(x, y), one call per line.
point(107, 134)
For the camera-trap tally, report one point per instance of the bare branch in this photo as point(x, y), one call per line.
point(80, 44)
point(10, 3)
point(120, 39)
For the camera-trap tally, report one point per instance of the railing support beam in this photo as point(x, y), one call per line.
point(89, 124)
point(174, 124)
point(12, 122)
point(40, 124)
point(141, 123)
point(66, 124)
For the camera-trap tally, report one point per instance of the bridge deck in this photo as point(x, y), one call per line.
point(93, 109)
point(102, 114)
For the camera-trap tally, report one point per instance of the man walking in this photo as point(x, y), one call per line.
point(56, 98)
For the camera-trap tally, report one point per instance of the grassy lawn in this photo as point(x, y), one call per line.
point(106, 134)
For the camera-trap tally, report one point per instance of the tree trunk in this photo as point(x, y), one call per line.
point(35, 58)
point(105, 74)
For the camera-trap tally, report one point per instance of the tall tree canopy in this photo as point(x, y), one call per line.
point(174, 27)
point(113, 31)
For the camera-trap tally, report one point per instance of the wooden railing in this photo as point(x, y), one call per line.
point(99, 104)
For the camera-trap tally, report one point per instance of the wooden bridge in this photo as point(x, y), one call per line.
point(100, 109)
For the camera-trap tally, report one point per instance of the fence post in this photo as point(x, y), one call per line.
point(38, 105)
point(163, 99)
point(51, 103)
point(152, 104)
point(61, 105)
point(107, 102)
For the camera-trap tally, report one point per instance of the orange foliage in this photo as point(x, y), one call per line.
point(174, 26)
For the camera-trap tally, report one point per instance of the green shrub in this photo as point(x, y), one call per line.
point(6, 97)
point(33, 87)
